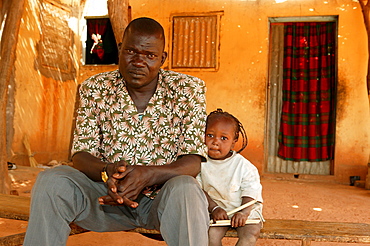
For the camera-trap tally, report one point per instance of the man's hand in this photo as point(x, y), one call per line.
point(117, 200)
point(114, 197)
point(125, 184)
point(134, 179)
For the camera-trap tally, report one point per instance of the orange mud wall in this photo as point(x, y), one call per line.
point(44, 83)
point(240, 84)
point(44, 86)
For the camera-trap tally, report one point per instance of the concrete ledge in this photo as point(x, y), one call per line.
point(16, 207)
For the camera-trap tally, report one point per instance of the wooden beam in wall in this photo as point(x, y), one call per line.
point(9, 39)
point(365, 7)
point(118, 11)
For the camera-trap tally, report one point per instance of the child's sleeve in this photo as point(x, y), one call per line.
point(199, 179)
point(251, 185)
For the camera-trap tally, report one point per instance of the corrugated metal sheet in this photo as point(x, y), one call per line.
point(194, 43)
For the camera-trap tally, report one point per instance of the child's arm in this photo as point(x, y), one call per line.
point(241, 217)
point(216, 211)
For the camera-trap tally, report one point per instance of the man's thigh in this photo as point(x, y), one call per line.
point(173, 196)
point(82, 198)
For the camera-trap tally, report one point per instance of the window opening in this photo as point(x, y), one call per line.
point(101, 47)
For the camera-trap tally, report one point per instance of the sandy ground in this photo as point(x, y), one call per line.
point(283, 199)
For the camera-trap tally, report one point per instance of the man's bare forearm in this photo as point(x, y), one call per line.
point(88, 164)
point(186, 165)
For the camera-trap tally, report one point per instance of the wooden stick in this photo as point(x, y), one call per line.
point(227, 222)
point(232, 212)
point(241, 207)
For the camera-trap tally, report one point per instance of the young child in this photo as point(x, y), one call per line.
point(229, 180)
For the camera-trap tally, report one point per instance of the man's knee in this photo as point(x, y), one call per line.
point(54, 173)
point(55, 179)
point(183, 183)
point(184, 187)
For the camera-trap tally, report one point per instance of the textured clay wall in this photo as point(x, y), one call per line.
point(44, 84)
point(44, 93)
point(239, 86)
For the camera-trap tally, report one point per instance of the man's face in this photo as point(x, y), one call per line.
point(141, 56)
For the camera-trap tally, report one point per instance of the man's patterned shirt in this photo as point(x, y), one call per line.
point(108, 125)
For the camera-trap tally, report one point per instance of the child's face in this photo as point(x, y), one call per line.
point(220, 138)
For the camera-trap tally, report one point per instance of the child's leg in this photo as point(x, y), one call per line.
point(215, 235)
point(248, 234)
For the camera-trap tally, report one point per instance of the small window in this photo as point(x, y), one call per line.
point(195, 41)
point(101, 47)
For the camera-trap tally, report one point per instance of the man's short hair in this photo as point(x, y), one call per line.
point(146, 25)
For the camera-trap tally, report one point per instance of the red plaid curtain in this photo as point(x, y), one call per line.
point(307, 118)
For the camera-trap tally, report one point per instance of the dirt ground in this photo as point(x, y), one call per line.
point(283, 199)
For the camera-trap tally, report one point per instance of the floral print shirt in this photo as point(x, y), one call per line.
point(109, 127)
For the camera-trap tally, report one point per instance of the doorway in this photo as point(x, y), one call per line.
point(301, 95)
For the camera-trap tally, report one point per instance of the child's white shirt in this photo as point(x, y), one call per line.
point(227, 181)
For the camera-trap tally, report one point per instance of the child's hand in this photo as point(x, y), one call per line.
point(219, 214)
point(239, 219)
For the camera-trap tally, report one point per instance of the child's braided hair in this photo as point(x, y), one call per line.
point(238, 126)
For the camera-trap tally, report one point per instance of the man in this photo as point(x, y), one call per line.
point(140, 129)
